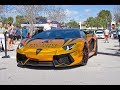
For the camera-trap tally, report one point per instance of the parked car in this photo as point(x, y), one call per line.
point(58, 48)
point(99, 34)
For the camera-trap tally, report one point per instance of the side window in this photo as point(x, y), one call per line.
point(82, 34)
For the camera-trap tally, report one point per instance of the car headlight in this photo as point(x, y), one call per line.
point(68, 47)
point(20, 46)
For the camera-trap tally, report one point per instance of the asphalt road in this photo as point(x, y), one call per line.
point(103, 69)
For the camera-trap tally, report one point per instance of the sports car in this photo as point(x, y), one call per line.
point(57, 48)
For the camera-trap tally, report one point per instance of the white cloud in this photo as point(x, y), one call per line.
point(71, 12)
point(87, 10)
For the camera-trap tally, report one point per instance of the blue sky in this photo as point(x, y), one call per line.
point(82, 12)
point(77, 12)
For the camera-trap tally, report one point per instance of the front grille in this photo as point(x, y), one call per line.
point(21, 58)
point(62, 59)
point(39, 63)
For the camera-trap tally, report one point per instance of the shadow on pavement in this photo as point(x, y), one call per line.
point(116, 54)
point(2, 68)
point(112, 49)
point(116, 45)
point(49, 68)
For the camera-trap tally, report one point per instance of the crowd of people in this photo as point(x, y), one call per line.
point(108, 34)
point(13, 34)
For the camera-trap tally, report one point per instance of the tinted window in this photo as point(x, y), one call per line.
point(82, 34)
point(99, 32)
point(58, 34)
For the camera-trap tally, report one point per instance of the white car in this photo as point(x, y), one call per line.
point(100, 34)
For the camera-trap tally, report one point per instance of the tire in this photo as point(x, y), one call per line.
point(85, 57)
point(20, 65)
point(96, 50)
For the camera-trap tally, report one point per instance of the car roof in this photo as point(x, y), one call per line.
point(68, 29)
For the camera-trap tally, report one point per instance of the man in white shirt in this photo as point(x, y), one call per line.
point(2, 37)
point(48, 26)
point(106, 33)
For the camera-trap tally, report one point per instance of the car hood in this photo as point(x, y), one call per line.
point(48, 43)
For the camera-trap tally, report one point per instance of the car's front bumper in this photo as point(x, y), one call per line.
point(58, 60)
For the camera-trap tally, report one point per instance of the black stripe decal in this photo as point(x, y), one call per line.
point(65, 40)
point(72, 40)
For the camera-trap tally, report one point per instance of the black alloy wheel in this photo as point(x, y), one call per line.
point(85, 56)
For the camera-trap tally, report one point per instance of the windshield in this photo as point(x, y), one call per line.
point(58, 34)
point(99, 32)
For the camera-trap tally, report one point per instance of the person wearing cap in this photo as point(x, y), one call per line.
point(48, 25)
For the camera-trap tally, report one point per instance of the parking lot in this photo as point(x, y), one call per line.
point(103, 69)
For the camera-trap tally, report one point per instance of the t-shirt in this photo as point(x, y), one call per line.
point(2, 30)
point(18, 32)
point(106, 32)
point(47, 27)
point(24, 32)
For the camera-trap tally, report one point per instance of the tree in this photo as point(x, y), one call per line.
point(116, 13)
point(73, 24)
point(90, 22)
point(55, 13)
point(2, 9)
point(19, 20)
point(4, 20)
point(106, 17)
point(30, 12)
point(10, 19)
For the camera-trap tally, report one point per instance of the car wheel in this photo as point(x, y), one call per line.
point(96, 50)
point(85, 56)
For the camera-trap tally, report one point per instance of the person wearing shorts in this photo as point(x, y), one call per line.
point(10, 37)
point(106, 33)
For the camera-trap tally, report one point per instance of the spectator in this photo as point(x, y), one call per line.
point(106, 33)
point(48, 25)
point(118, 33)
point(24, 32)
point(10, 37)
point(17, 34)
point(28, 35)
point(2, 37)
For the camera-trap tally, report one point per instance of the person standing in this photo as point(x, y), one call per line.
point(106, 33)
point(118, 35)
point(24, 32)
point(48, 25)
point(11, 32)
point(2, 37)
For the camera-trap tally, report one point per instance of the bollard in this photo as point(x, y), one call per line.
point(6, 56)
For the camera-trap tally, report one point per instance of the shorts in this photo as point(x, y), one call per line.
point(11, 36)
point(106, 36)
